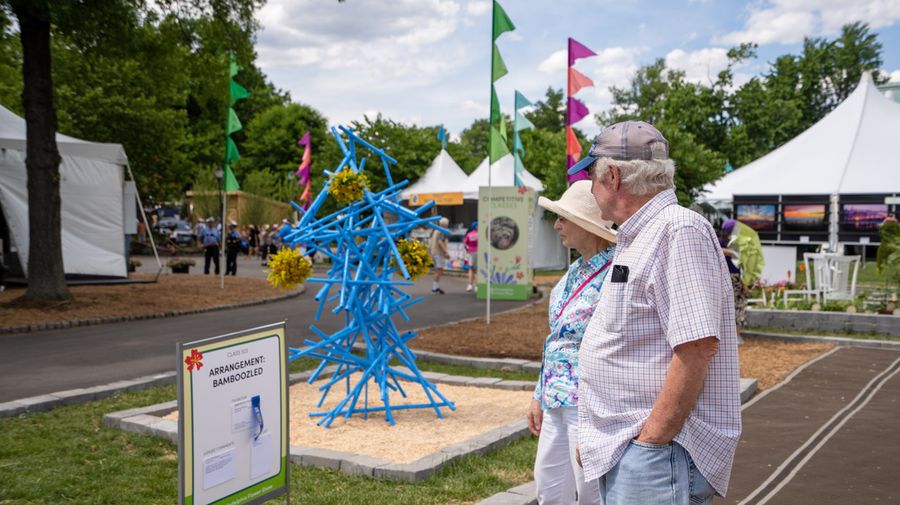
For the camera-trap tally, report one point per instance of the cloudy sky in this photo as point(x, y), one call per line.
point(427, 62)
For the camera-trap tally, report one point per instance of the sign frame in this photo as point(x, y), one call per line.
point(186, 462)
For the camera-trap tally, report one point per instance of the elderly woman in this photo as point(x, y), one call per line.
point(553, 415)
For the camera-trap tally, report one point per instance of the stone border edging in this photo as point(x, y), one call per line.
point(824, 321)
point(43, 403)
point(27, 328)
point(842, 341)
point(148, 420)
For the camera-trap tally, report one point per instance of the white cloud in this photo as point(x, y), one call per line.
point(374, 39)
point(788, 21)
point(701, 66)
point(478, 7)
point(895, 76)
point(478, 109)
point(556, 62)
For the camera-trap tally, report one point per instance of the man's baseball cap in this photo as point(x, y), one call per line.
point(628, 140)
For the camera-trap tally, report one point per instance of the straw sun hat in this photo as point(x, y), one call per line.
point(577, 204)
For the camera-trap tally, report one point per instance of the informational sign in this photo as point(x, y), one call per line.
point(233, 418)
point(892, 200)
point(453, 198)
point(507, 232)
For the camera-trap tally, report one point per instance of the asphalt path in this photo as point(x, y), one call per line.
point(828, 435)
point(43, 362)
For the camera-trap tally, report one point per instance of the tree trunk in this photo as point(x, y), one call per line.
point(46, 276)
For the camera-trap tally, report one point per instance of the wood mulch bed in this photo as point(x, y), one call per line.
point(521, 334)
point(170, 293)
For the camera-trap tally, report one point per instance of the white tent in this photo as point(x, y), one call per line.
point(92, 185)
point(501, 173)
point(852, 150)
point(443, 176)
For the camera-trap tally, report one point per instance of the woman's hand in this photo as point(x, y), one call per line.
point(535, 418)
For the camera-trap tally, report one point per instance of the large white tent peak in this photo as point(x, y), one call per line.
point(443, 176)
point(501, 174)
point(852, 150)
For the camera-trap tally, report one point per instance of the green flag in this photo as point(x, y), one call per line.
point(495, 108)
point(234, 124)
point(498, 68)
point(502, 23)
point(502, 128)
point(231, 183)
point(231, 151)
point(498, 147)
point(238, 92)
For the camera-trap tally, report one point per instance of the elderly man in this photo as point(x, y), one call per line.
point(659, 407)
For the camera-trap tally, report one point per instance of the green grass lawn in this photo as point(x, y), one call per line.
point(67, 456)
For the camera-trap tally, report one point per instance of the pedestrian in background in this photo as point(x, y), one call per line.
point(439, 254)
point(471, 243)
point(210, 239)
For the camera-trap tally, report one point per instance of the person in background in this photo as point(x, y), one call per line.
point(743, 255)
point(264, 235)
point(232, 249)
point(553, 415)
point(141, 232)
point(471, 243)
point(253, 241)
point(658, 393)
point(210, 240)
point(437, 248)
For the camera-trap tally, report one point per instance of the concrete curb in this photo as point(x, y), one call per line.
point(148, 421)
point(43, 403)
point(55, 325)
point(842, 341)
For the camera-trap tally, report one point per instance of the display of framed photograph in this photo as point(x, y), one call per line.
point(804, 217)
point(863, 216)
point(758, 217)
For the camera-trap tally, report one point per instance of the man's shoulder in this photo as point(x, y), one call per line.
point(677, 218)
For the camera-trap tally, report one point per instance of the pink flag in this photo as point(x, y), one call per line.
point(304, 174)
point(576, 111)
point(577, 80)
point(578, 50)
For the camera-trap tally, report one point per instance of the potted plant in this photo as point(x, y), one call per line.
point(180, 265)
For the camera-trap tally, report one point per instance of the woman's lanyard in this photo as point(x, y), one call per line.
point(583, 284)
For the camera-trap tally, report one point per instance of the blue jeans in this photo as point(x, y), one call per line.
point(652, 474)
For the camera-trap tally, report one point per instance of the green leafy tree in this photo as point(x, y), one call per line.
point(272, 145)
point(550, 113)
point(413, 147)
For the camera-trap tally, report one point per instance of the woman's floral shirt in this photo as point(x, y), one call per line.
point(558, 384)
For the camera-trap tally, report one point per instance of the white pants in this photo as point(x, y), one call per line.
point(556, 472)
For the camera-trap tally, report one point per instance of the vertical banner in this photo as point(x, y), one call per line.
point(507, 234)
point(233, 418)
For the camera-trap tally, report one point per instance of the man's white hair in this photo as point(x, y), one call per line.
point(639, 177)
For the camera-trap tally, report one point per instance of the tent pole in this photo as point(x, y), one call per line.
point(137, 194)
point(833, 224)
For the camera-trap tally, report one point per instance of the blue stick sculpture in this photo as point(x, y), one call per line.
point(360, 240)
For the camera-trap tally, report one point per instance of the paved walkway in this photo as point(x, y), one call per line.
point(43, 362)
point(829, 435)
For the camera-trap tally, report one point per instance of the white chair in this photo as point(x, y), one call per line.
point(818, 277)
point(843, 283)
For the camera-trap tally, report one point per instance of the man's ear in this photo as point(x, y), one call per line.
point(615, 179)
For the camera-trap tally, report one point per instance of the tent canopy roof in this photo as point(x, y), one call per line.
point(502, 174)
point(443, 176)
point(12, 136)
point(849, 151)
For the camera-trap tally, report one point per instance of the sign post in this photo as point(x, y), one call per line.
point(233, 418)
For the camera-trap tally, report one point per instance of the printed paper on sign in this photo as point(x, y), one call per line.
point(218, 468)
point(262, 455)
point(241, 415)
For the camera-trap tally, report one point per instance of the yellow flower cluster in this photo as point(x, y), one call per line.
point(287, 268)
point(347, 186)
point(415, 256)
